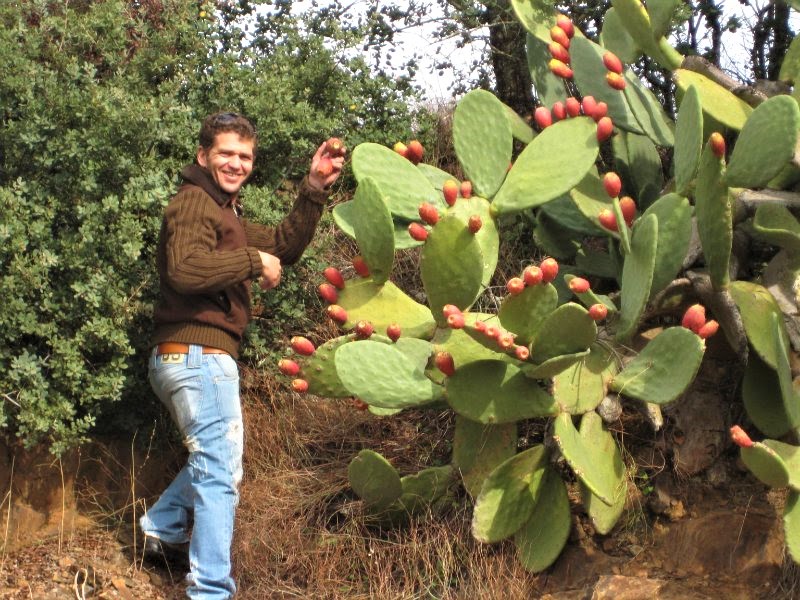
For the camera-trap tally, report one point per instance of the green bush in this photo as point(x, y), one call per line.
point(101, 102)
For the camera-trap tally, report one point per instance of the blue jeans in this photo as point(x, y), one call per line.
point(201, 392)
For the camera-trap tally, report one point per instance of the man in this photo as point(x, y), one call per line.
point(207, 256)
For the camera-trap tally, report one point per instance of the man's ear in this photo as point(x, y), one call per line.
point(202, 157)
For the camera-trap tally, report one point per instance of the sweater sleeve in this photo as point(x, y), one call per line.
point(193, 265)
point(290, 237)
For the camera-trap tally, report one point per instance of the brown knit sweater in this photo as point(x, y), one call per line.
point(208, 255)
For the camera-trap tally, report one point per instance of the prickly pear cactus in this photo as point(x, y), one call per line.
point(590, 177)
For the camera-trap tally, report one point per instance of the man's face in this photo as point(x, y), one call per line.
point(229, 160)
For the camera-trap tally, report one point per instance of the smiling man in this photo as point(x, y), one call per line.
point(208, 255)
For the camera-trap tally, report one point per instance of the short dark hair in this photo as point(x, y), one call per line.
point(223, 122)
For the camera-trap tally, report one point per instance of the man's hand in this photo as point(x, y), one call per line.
point(270, 271)
point(326, 166)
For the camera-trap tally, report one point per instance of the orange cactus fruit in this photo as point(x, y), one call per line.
point(598, 312)
point(360, 266)
point(300, 385)
point(288, 367)
point(415, 152)
point(450, 191)
point(532, 275)
point(740, 437)
point(393, 331)
point(337, 313)
point(708, 329)
point(302, 345)
point(328, 293)
point(608, 220)
point(615, 80)
point(628, 208)
point(549, 267)
point(515, 286)
point(612, 62)
point(334, 277)
point(694, 317)
point(579, 285)
point(605, 127)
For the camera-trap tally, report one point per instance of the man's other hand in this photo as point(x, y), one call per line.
point(270, 271)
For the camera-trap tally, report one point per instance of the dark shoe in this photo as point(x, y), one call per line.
point(159, 552)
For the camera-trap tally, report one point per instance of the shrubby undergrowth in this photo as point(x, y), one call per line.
point(101, 102)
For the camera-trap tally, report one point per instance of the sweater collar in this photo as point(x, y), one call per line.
point(197, 175)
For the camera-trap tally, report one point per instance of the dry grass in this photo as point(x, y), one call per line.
point(302, 534)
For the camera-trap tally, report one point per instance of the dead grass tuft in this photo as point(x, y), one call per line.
point(302, 533)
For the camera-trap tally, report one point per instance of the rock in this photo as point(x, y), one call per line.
point(620, 587)
point(746, 546)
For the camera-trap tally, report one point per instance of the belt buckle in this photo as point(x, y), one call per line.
point(172, 358)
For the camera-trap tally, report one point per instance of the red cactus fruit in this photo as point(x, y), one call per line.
point(564, 22)
point(558, 52)
point(418, 232)
point(466, 189)
point(694, 317)
point(549, 267)
point(600, 111)
point(522, 352)
point(415, 152)
point(337, 313)
point(288, 367)
point(335, 147)
point(612, 183)
point(359, 404)
point(628, 208)
point(505, 340)
point(364, 329)
point(589, 106)
point(324, 166)
point(708, 329)
point(300, 385)
point(573, 106)
point(360, 265)
point(328, 293)
point(400, 148)
point(559, 69)
point(559, 35)
point(515, 286)
point(480, 326)
point(559, 111)
point(543, 117)
point(740, 437)
point(532, 275)
point(717, 143)
point(456, 321)
point(428, 213)
point(474, 224)
point(444, 362)
point(450, 309)
point(608, 220)
point(393, 331)
point(579, 285)
point(612, 62)
point(598, 311)
point(605, 127)
point(450, 191)
point(302, 345)
point(493, 332)
point(615, 80)
point(334, 277)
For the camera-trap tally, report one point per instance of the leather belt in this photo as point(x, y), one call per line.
point(177, 348)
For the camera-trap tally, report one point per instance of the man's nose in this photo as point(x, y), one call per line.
point(234, 162)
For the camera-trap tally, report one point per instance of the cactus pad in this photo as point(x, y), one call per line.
point(482, 140)
point(566, 330)
point(384, 304)
point(479, 448)
point(402, 184)
point(674, 216)
point(319, 370)
point(451, 266)
point(382, 375)
point(554, 162)
point(688, 139)
point(374, 480)
point(615, 37)
point(422, 489)
point(508, 495)
point(637, 160)
point(664, 369)
point(757, 308)
point(765, 144)
point(344, 216)
point(493, 391)
point(637, 275)
point(717, 102)
point(581, 387)
point(374, 229)
point(542, 538)
point(609, 459)
point(487, 236)
point(648, 112)
point(765, 464)
point(583, 454)
point(791, 524)
point(791, 458)
point(763, 400)
point(714, 217)
point(776, 225)
point(549, 88)
point(524, 313)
